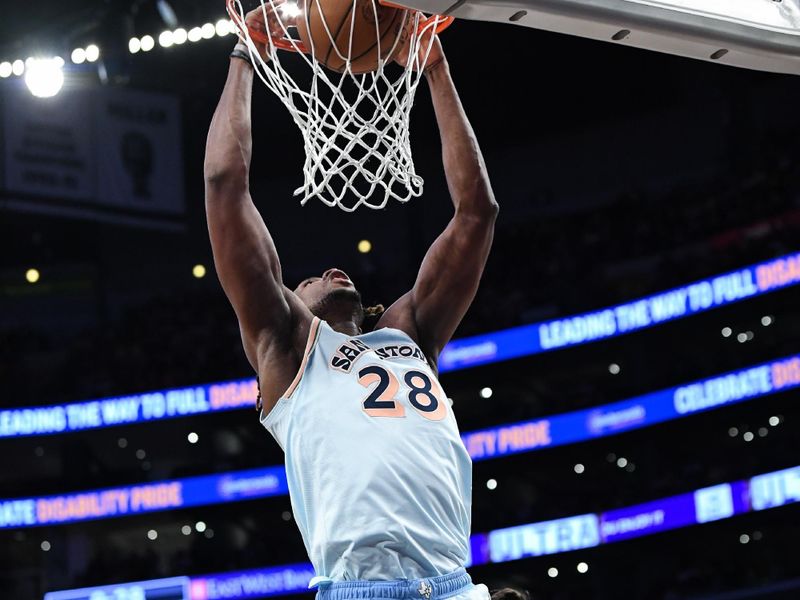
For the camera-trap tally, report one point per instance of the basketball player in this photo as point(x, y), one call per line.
point(380, 482)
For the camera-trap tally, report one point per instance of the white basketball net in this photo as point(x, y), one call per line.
point(355, 126)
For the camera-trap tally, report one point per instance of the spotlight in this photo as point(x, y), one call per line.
point(46, 546)
point(165, 39)
point(622, 462)
point(92, 53)
point(148, 43)
point(207, 31)
point(32, 275)
point(199, 271)
point(186, 530)
point(774, 421)
point(582, 567)
point(134, 45)
point(193, 437)
point(727, 332)
point(286, 515)
point(364, 246)
point(491, 484)
point(209, 533)
point(748, 436)
point(5, 69)
point(486, 392)
point(18, 67)
point(78, 56)
point(179, 36)
point(122, 443)
point(223, 27)
point(614, 369)
point(44, 77)
point(152, 534)
point(744, 538)
point(579, 468)
point(195, 34)
point(741, 338)
point(733, 432)
point(200, 526)
point(552, 572)
point(140, 454)
point(762, 432)
point(767, 320)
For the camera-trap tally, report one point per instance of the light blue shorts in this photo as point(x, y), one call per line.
point(454, 586)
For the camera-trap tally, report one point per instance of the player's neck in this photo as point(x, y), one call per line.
point(345, 326)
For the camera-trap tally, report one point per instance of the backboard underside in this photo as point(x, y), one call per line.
point(755, 34)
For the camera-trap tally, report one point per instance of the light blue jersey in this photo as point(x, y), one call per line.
point(380, 481)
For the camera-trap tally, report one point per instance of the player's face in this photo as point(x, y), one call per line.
point(333, 284)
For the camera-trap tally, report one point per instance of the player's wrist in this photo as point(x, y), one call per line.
point(436, 67)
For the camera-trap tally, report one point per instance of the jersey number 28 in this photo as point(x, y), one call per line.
point(424, 393)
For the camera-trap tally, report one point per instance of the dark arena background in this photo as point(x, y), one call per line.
point(626, 380)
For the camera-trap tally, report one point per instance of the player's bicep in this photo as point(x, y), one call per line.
point(246, 262)
point(449, 277)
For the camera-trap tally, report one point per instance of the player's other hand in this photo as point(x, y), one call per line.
point(269, 20)
point(436, 55)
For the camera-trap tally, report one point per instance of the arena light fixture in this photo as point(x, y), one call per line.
point(763, 432)
point(193, 437)
point(748, 436)
point(32, 275)
point(92, 52)
point(179, 36)
point(364, 246)
point(44, 77)
point(134, 45)
point(186, 530)
point(152, 534)
point(223, 27)
point(78, 56)
point(727, 332)
point(622, 462)
point(148, 43)
point(774, 421)
point(207, 31)
point(767, 320)
point(199, 271)
point(200, 526)
point(5, 69)
point(491, 484)
point(614, 369)
point(486, 392)
point(18, 67)
point(552, 572)
point(165, 39)
point(195, 34)
point(45, 546)
point(582, 567)
point(579, 468)
point(733, 432)
point(744, 538)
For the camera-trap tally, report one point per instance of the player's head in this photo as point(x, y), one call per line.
point(333, 296)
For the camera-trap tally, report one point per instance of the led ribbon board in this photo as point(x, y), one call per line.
point(145, 498)
point(500, 545)
point(459, 354)
point(634, 413)
point(625, 318)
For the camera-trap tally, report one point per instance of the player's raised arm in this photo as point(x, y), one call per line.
point(244, 253)
point(451, 271)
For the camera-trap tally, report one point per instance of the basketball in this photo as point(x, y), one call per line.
point(328, 27)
